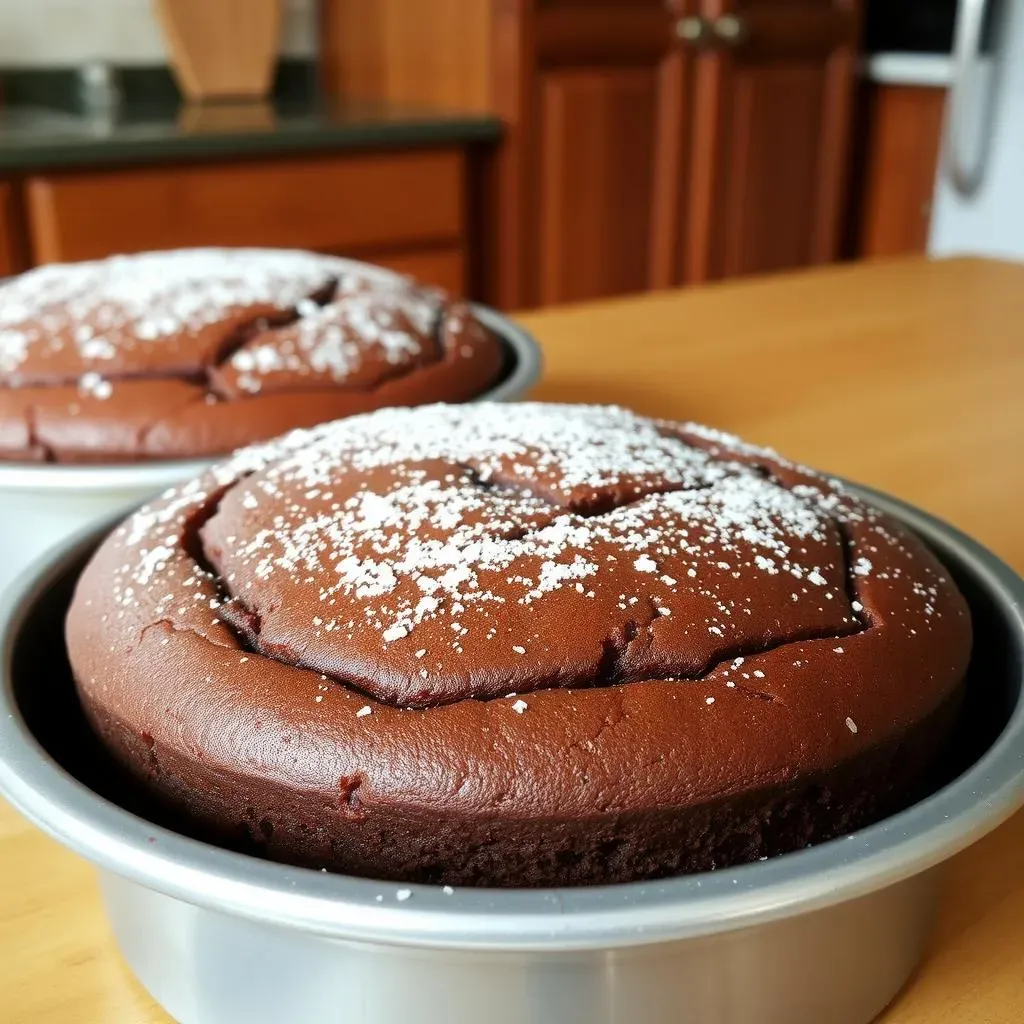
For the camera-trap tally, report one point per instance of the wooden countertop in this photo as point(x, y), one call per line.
point(907, 376)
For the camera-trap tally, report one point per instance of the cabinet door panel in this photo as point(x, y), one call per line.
point(610, 33)
point(7, 261)
point(597, 130)
point(902, 159)
point(773, 168)
point(10, 250)
point(772, 116)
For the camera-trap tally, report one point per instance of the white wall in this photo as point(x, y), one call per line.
point(59, 33)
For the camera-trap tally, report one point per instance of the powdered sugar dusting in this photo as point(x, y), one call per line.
point(436, 529)
point(430, 545)
point(102, 307)
point(388, 321)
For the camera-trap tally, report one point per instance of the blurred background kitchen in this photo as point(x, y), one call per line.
point(523, 152)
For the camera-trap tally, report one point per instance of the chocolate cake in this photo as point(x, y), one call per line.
point(192, 353)
point(518, 645)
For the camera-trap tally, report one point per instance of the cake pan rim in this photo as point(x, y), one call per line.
point(571, 918)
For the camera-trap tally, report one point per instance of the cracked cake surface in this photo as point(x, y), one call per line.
point(194, 352)
point(518, 645)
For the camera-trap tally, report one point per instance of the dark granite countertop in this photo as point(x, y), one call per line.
point(42, 137)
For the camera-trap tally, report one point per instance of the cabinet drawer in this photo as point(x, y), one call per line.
point(349, 203)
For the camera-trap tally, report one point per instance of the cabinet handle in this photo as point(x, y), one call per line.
point(695, 32)
point(730, 30)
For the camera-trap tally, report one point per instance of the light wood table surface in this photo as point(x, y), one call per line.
point(908, 376)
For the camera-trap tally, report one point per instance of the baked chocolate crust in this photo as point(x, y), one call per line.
point(518, 645)
point(195, 352)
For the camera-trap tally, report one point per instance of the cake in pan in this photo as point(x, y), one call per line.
point(522, 645)
point(193, 353)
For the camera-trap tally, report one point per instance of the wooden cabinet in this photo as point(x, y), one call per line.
point(402, 209)
point(898, 165)
point(585, 181)
point(601, 140)
point(771, 122)
point(10, 234)
point(648, 143)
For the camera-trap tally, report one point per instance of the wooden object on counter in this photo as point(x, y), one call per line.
point(898, 165)
point(222, 48)
point(647, 144)
point(217, 116)
point(405, 209)
point(920, 413)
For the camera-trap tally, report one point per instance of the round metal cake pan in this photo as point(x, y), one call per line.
point(40, 504)
point(826, 934)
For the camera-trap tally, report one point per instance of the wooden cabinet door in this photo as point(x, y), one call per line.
point(610, 127)
point(11, 261)
point(772, 110)
point(898, 168)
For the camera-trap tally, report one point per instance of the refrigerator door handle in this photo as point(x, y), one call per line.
point(967, 170)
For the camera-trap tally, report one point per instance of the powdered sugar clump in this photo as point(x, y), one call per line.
point(94, 386)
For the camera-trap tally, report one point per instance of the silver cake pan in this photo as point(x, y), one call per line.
point(41, 504)
point(828, 934)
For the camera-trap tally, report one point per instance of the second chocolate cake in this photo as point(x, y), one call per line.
point(518, 645)
point(194, 352)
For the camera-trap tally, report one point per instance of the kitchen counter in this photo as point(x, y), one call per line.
point(906, 376)
point(42, 137)
point(926, 69)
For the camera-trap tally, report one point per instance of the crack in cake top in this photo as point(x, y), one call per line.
point(249, 319)
point(433, 555)
point(367, 331)
point(97, 309)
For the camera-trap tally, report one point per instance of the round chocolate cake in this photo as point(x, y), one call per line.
point(192, 353)
point(518, 645)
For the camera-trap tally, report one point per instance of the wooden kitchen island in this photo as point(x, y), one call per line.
point(906, 376)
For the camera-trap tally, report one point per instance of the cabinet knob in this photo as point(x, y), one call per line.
point(730, 30)
point(695, 31)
